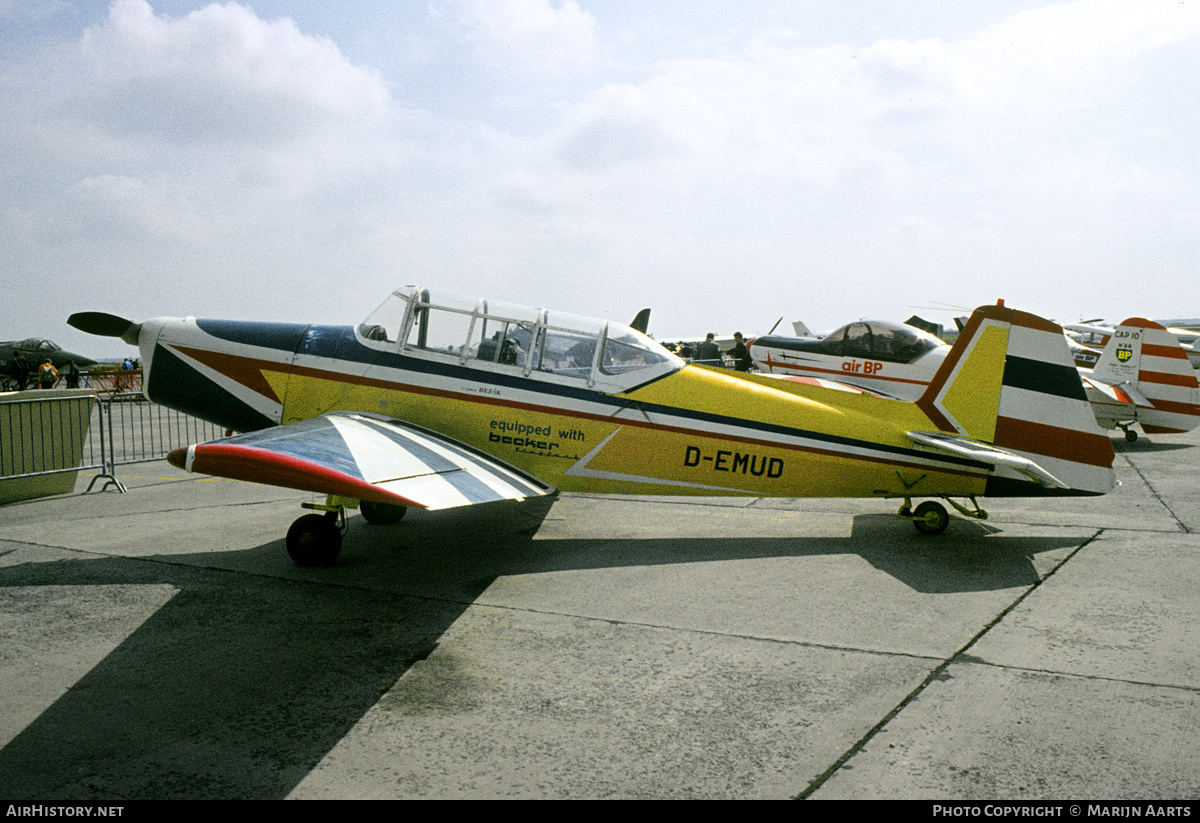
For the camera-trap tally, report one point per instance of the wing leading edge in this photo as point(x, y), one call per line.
point(363, 456)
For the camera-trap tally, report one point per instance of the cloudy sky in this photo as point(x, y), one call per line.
point(725, 162)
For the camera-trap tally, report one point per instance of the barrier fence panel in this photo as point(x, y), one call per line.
point(134, 430)
point(108, 381)
point(104, 380)
point(46, 434)
point(43, 434)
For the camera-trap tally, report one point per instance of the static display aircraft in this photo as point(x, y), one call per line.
point(892, 359)
point(438, 400)
point(36, 350)
point(1142, 374)
point(1092, 336)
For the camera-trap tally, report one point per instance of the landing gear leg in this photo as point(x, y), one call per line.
point(316, 539)
point(1130, 435)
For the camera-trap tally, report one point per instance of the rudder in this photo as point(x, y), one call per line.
point(1147, 356)
point(1010, 381)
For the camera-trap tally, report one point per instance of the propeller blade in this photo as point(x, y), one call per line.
point(105, 325)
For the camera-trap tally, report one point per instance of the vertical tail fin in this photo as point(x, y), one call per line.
point(1010, 381)
point(1149, 358)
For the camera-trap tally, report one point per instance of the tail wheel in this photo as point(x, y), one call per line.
point(931, 517)
point(314, 540)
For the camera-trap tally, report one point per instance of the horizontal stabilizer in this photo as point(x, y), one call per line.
point(366, 457)
point(1122, 394)
point(987, 453)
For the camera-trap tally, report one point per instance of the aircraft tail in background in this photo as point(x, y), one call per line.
point(1145, 361)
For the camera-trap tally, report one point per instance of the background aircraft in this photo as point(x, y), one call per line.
point(1143, 376)
point(892, 359)
point(1093, 336)
point(439, 400)
point(1152, 384)
point(36, 350)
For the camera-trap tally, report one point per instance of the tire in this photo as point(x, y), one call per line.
point(382, 514)
point(931, 518)
point(314, 540)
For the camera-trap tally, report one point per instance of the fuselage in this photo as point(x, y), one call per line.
point(632, 420)
point(888, 358)
point(596, 406)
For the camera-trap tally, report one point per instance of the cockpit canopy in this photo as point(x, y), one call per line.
point(868, 339)
point(36, 344)
point(507, 337)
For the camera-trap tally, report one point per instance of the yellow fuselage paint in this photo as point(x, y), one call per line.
point(974, 397)
point(698, 431)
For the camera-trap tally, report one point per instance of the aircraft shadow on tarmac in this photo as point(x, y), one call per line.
point(432, 551)
point(1143, 446)
point(240, 684)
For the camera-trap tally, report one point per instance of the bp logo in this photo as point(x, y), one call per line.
point(1124, 353)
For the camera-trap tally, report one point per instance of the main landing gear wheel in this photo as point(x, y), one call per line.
point(930, 518)
point(314, 540)
point(382, 514)
point(1130, 435)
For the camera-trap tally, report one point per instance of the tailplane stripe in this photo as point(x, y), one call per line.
point(1041, 376)
point(1167, 379)
point(1172, 351)
point(1093, 449)
point(1174, 406)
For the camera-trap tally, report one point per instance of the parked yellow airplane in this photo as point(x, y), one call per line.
point(438, 400)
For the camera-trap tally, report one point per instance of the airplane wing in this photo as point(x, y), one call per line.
point(987, 453)
point(366, 457)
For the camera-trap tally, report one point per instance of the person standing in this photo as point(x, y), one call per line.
point(708, 353)
point(47, 375)
point(739, 353)
point(72, 375)
point(21, 370)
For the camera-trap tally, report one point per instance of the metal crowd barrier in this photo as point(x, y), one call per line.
point(111, 380)
point(104, 380)
point(40, 437)
point(43, 434)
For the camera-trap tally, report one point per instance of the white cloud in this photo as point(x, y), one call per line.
point(115, 208)
point(219, 74)
point(814, 112)
point(219, 147)
point(525, 36)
